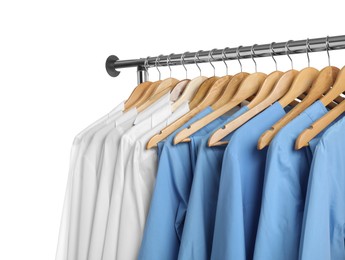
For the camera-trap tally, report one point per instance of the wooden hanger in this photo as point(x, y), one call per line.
point(248, 87)
point(226, 97)
point(189, 91)
point(317, 127)
point(234, 94)
point(196, 106)
point(202, 91)
point(198, 97)
point(232, 86)
point(146, 95)
point(336, 90)
point(166, 84)
point(193, 86)
point(136, 95)
point(164, 87)
point(274, 87)
point(180, 86)
point(230, 90)
point(321, 85)
point(300, 85)
point(160, 89)
point(177, 91)
point(265, 88)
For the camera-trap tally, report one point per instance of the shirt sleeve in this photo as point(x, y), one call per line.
point(229, 223)
point(324, 218)
point(61, 253)
point(165, 220)
point(198, 230)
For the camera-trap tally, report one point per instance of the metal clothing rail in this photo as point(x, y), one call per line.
point(263, 50)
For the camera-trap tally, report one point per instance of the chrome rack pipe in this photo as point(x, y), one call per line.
point(263, 50)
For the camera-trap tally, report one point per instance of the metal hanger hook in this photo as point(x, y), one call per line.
point(272, 54)
point(307, 50)
point(209, 60)
point(197, 57)
point(238, 55)
point(146, 66)
point(224, 57)
point(168, 62)
point(253, 55)
point(327, 49)
point(287, 51)
point(182, 62)
point(157, 62)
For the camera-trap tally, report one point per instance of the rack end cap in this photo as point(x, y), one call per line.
point(110, 66)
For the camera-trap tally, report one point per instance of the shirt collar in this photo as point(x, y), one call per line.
point(126, 116)
point(180, 111)
point(315, 111)
point(119, 107)
point(156, 117)
point(164, 100)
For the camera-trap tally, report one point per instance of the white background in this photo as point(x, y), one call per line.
point(53, 82)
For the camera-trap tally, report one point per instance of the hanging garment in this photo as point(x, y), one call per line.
point(240, 189)
point(67, 245)
point(323, 230)
point(285, 185)
point(73, 245)
point(104, 191)
point(140, 176)
point(89, 182)
point(91, 170)
point(125, 145)
point(106, 174)
point(165, 220)
point(196, 241)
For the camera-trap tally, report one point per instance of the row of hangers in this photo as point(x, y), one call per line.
point(298, 89)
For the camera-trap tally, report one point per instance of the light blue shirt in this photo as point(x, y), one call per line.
point(285, 186)
point(196, 242)
point(240, 188)
point(164, 224)
point(323, 230)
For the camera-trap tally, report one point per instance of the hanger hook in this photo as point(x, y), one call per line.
point(287, 51)
point(157, 62)
point(272, 54)
point(182, 62)
point(253, 55)
point(307, 50)
point(146, 66)
point(168, 62)
point(197, 57)
point(209, 60)
point(225, 57)
point(327, 49)
point(239, 56)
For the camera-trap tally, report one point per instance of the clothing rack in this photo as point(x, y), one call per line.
point(263, 50)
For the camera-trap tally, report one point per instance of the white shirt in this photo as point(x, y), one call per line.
point(89, 175)
point(88, 180)
point(104, 191)
point(126, 143)
point(79, 144)
point(140, 177)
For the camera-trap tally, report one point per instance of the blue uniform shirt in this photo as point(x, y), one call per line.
point(196, 242)
point(240, 188)
point(285, 185)
point(164, 224)
point(323, 230)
